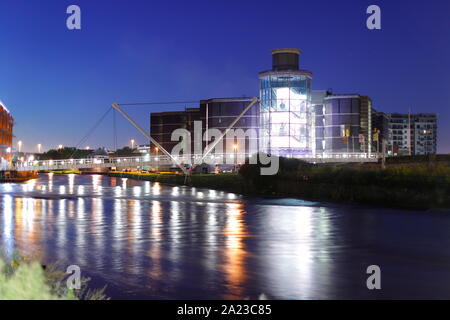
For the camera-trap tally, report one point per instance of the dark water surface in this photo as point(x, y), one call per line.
point(152, 241)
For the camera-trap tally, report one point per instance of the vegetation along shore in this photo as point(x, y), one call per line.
point(422, 184)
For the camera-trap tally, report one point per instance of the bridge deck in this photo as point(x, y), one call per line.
point(160, 161)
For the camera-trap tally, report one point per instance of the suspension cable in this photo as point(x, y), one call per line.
point(91, 131)
point(154, 103)
point(114, 131)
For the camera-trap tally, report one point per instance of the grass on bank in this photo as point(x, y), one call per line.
point(409, 186)
point(226, 181)
point(68, 171)
point(21, 279)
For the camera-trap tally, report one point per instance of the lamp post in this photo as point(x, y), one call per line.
point(157, 164)
point(235, 147)
point(8, 151)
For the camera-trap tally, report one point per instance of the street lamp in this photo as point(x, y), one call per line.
point(235, 147)
point(60, 147)
point(157, 164)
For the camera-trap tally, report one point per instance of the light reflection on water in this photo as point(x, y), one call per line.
point(147, 240)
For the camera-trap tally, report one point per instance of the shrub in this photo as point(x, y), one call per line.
point(24, 280)
point(27, 282)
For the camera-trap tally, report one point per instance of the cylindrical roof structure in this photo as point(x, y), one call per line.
point(285, 59)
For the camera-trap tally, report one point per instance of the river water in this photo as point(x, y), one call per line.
point(151, 241)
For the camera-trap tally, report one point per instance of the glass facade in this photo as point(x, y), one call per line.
point(286, 117)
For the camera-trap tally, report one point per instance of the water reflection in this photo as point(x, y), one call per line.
point(8, 225)
point(235, 252)
point(148, 240)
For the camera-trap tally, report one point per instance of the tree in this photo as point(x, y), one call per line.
point(65, 153)
point(125, 151)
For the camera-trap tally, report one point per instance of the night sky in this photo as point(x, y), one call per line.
point(58, 83)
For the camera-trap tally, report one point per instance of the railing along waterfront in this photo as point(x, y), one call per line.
point(163, 160)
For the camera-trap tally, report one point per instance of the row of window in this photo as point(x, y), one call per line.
point(284, 81)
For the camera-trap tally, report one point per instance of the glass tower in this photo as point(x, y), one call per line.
point(286, 115)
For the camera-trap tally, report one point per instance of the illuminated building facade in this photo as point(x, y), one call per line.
point(216, 113)
point(286, 115)
point(292, 120)
point(162, 124)
point(411, 134)
point(219, 113)
point(6, 134)
point(425, 133)
point(344, 124)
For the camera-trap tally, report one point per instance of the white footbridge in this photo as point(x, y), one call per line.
point(166, 160)
point(163, 161)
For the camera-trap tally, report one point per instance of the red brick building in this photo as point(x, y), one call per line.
point(6, 134)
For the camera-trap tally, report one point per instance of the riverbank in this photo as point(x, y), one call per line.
point(403, 187)
point(410, 187)
point(17, 176)
point(226, 182)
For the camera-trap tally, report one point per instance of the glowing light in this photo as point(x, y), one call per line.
point(175, 191)
point(137, 191)
point(156, 188)
point(71, 178)
point(8, 234)
point(147, 187)
point(212, 194)
point(118, 191)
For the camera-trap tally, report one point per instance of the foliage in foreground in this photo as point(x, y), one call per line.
point(24, 280)
point(28, 282)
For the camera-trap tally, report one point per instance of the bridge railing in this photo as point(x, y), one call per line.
point(116, 161)
point(158, 160)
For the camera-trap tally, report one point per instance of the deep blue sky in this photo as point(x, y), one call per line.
point(58, 83)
